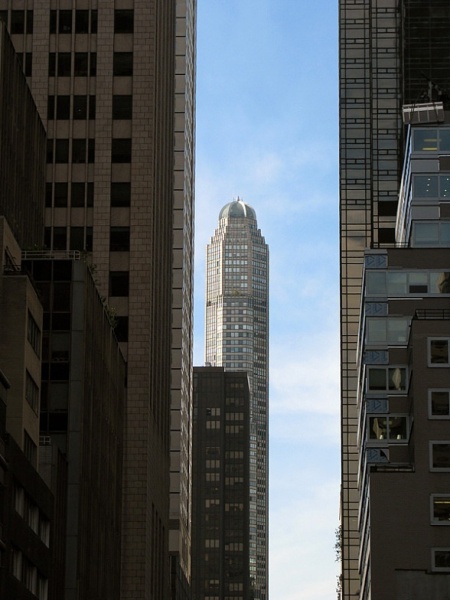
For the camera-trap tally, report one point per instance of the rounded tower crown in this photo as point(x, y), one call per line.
point(237, 210)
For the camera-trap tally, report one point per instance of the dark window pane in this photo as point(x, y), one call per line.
point(51, 108)
point(64, 64)
point(79, 107)
point(52, 64)
point(120, 193)
point(78, 151)
point(93, 21)
point(61, 321)
point(121, 329)
point(77, 198)
point(92, 107)
point(62, 270)
point(65, 21)
point(119, 283)
point(61, 296)
point(53, 21)
point(90, 194)
point(29, 21)
point(61, 151)
point(388, 208)
point(77, 238)
point(48, 237)
point(17, 21)
point(60, 194)
point(122, 107)
point(81, 21)
point(123, 64)
point(123, 21)
point(63, 107)
point(4, 15)
point(121, 151)
point(81, 64)
point(59, 238)
point(119, 239)
point(91, 150)
point(93, 67)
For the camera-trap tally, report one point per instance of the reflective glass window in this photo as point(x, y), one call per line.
point(376, 282)
point(444, 139)
point(425, 186)
point(439, 404)
point(425, 140)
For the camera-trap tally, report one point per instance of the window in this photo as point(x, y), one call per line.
point(79, 107)
point(17, 21)
point(28, 64)
point(53, 15)
point(29, 449)
point(440, 559)
point(119, 283)
point(123, 21)
point(119, 239)
point(440, 509)
point(440, 456)
point(438, 355)
point(60, 199)
point(64, 64)
point(81, 21)
point(34, 334)
point(122, 107)
point(59, 238)
point(431, 234)
point(48, 194)
point(79, 192)
point(123, 64)
point(78, 151)
point(52, 64)
point(81, 64)
point(121, 151)
point(29, 17)
point(65, 21)
point(388, 427)
point(386, 379)
point(387, 331)
point(62, 107)
point(77, 238)
point(120, 193)
point(439, 404)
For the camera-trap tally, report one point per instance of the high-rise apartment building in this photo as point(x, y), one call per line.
point(391, 53)
point(221, 485)
point(403, 382)
point(237, 338)
point(115, 88)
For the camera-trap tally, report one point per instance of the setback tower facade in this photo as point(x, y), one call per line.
point(237, 338)
point(392, 52)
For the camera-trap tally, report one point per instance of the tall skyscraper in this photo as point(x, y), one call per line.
point(115, 87)
point(237, 338)
point(391, 53)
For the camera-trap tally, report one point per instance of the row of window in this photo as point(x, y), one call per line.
point(31, 514)
point(402, 283)
point(28, 574)
point(82, 194)
point(84, 107)
point(84, 64)
point(60, 151)
point(68, 21)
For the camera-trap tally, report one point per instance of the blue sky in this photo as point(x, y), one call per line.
point(267, 132)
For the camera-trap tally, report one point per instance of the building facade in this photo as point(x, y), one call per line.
point(392, 52)
point(115, 88)
point(237, 338)
point(403, 382)
point(221, 485)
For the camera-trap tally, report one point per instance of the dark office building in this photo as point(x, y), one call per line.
point(392, 53)
point(81, 413)
point(221, 485)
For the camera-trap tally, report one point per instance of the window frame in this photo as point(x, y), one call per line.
point(433, 520)
point(437, 365)
point(431, 415)
point(434, 568)
point(434, 469)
